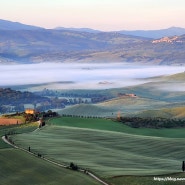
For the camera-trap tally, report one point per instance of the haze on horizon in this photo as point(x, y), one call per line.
point(105, 15)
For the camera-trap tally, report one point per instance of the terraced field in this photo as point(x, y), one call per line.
point(108, 153)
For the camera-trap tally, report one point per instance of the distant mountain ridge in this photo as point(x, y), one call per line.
point(88, 30)
point(27, 44)
point(155, 34)
point(9, 25)
point(45, 45)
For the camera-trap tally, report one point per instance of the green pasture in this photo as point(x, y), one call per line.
point(130, 105)
point(107, 153)
point(91, 123)
point(18, 167)
point(175, 112)
point(110, 108)
point(89, 110)
point(109, 125)
point(15, 129)
point(3, 145)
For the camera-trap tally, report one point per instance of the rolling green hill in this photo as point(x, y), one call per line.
point(164, 92)
point(169, 89)
point(130, 105)
point(176, 112)
point(18, 167)
point(108, 153)
point(179, 77)
point(87, 110)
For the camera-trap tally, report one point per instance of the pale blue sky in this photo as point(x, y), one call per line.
point(107, 15)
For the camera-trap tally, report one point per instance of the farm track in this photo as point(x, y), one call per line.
point(55, 163)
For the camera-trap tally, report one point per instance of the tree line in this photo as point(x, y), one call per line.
point(76, 97)
point(9, 96)
point(152, 122)
point(13, 101)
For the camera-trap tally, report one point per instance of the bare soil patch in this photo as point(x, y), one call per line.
point(10, 121)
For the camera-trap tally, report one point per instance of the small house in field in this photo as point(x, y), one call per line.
point(127, 95)
point(30, 111)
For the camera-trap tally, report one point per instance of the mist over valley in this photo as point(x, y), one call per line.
point(82, 76)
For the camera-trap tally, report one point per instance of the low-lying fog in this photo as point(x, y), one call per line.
point(81, 76)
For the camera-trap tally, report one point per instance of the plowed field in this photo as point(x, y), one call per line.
point(10, 121)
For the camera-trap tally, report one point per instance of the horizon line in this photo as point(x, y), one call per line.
point(94, 29)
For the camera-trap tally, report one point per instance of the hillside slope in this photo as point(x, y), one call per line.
point(9, 25)
point(88, 110)
point(108, 153)
point(128, 104)
point(169, 88)
point(156, 33)
point(176, 112)
point(42, 45)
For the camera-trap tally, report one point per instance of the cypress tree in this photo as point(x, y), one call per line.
point(183, 166)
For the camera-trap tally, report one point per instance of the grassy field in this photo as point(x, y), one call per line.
point(18, 167)
point(88, 110)
point(129, 104)
point(107, 153)
point(18, 129)
point(176, 112)
point(168, 89)
point(120, 154)
point(160, 92)
point(109, 125)
point(110, 108)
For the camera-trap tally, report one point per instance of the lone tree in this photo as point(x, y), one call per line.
point(183, 166)
point(73, 166)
